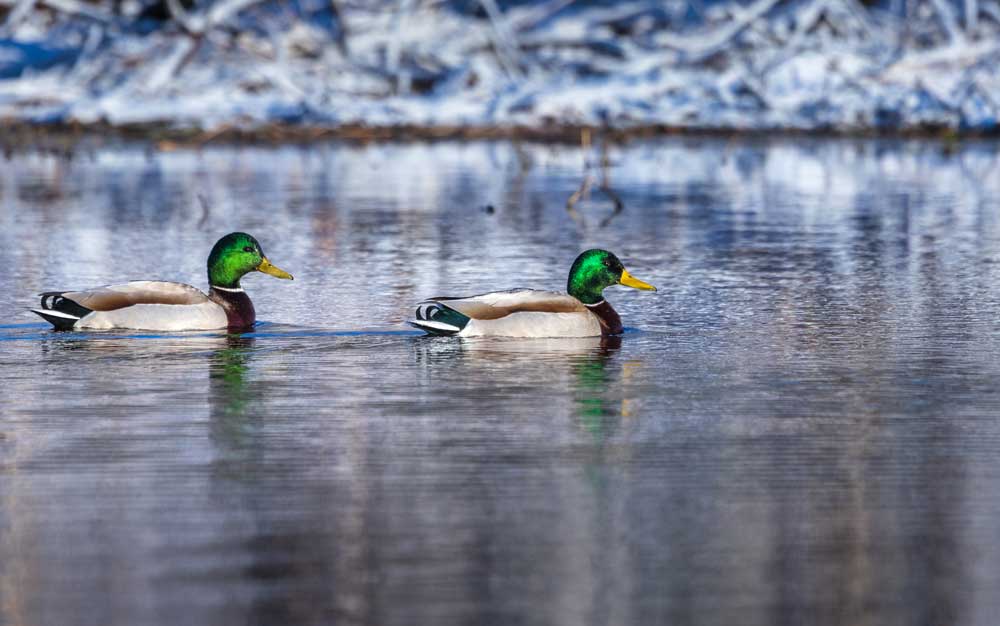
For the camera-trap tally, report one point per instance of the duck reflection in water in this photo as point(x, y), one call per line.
point(598, 390)
point(227, 376)
point(233, 401)
point(584, 380)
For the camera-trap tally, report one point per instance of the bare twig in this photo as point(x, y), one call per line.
point(805, 21)
point(199, 23)
point(949, 21)
point(588, 180)
point(948, 55)
point(174, 62)
point(577, 196)
point(205, 210)
point(992, 11)
point(341, 38)
point(503, 39)
point(393, 53)
point(18, 13)
point(78, 8)
point(861, 17)
point(971, 17)
point(606, 186)
point(584, 188)
point(539, 14)
point(619, 205)
point(181, 17)
point(704, 45)
point(222, 11)
point(193, 27)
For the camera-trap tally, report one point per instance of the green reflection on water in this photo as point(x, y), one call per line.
point(234, 402)
point(597, 393)
point(231, 395)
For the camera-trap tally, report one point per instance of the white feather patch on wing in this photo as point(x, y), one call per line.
point(536, 324)
point(164, 317)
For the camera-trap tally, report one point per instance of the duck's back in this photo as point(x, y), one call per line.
point(114, 297)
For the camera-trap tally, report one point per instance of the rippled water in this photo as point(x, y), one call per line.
point(801, 426)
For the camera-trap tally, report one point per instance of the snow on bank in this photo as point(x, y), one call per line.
point(805, 65)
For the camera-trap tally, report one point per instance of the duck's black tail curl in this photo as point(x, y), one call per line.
point(60, 311)
point(438, 319)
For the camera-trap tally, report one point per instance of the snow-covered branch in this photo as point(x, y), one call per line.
point(743, 64)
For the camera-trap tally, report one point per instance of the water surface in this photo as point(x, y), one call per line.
point(801, 426)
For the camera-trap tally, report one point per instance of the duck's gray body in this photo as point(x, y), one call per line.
point(147, 305)
point(517, 313)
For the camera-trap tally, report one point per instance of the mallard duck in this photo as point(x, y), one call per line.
point(169, 306)
point(583, 312)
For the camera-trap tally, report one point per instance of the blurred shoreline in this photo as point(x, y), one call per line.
point(19, 135)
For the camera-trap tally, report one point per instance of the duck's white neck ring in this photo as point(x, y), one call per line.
point(590, 306)
point(229, 289)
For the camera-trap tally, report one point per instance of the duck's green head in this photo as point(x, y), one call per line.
point(237, 254)
point(593, 271)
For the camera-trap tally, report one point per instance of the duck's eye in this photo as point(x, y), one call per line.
point(248, 249)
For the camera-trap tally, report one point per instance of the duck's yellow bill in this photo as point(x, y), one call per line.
point(631, 281)
point(266, 267)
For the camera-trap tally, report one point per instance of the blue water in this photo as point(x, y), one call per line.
point(800, 427)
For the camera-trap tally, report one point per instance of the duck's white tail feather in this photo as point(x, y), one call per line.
point(434, 328)
point(61, 321)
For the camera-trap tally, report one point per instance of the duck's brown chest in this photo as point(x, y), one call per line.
point(240, 313)
point(611, 323)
